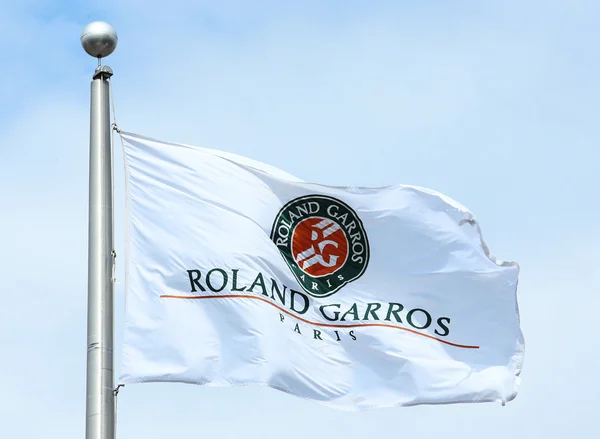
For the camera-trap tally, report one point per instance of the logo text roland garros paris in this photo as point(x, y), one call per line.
point(323, 242)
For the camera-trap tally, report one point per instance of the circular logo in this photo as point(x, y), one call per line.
point(323, 242)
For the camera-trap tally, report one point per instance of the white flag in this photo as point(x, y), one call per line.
point(239, 273)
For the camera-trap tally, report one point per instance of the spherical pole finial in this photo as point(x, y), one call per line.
point(99, 39)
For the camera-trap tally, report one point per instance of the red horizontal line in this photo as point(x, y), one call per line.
point(328, 325)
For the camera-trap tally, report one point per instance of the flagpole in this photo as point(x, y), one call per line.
point(99, 40)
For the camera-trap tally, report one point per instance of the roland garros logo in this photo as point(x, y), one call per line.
point(323, 242)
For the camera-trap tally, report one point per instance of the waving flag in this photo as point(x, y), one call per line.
point(239, 273)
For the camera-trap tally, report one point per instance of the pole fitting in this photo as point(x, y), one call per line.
point(102, 72)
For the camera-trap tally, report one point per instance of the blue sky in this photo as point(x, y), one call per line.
point(493, 103)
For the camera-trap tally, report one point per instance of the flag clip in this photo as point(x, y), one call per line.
point(114, 266)
point(116, 390)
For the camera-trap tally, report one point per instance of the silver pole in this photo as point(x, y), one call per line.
point(99, 40)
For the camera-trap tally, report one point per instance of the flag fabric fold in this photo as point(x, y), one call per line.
point(239, 273)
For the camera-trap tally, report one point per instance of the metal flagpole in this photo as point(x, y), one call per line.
point(99, 40)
